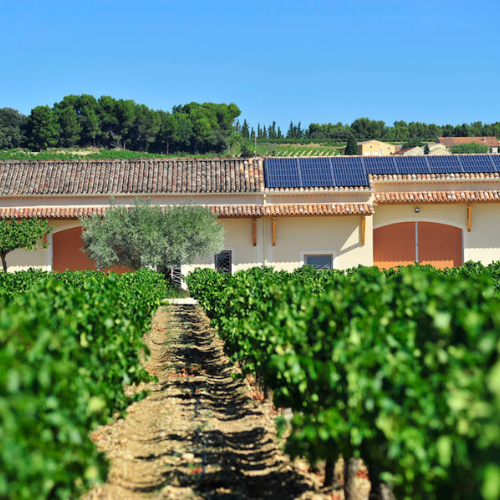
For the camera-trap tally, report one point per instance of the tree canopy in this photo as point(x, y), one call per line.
point(12, 128)
point(149, 235)
point(193, 128)
point(24, 234)
point(470, 148)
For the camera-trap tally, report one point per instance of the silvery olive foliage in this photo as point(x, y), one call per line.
point(148, 235)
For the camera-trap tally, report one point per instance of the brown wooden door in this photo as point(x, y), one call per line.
point(438, 244)
point(67, 254)
point(394, 245)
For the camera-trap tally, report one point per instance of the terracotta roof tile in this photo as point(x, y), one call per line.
point(438, 197)
point(294, 209)
point(455, 141)
point(150, 176)
point(220, 210)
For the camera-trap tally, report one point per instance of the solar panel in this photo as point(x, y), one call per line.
point(348, 172)
point(445, 164)
point(316, 172)
point(496, 161)
point(412, 165)
point(477, 163)
point(380, 165)
point(282, 173)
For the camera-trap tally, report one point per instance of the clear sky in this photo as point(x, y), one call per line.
point(309, 61)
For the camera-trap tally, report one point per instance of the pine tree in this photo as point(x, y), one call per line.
point(426, 149)
point(43, 128)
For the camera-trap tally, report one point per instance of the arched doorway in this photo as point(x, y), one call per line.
point(424, 242)
point(67, 254)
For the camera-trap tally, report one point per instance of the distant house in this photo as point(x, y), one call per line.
point(491, 142)
point(434, 150)
point(375, 148)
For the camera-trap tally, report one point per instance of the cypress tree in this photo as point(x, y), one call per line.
point(352, 146)
point(245, 132)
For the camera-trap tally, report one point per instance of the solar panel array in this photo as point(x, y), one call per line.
point(352, 171)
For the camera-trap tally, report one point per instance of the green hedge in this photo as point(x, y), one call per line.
point(68, 344)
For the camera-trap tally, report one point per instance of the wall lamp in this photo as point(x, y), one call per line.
point(417, 210)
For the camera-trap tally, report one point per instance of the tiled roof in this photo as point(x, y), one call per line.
point(81, 177)
point(438, 197)
point(455, 141)
point(426, 177)
point(294, 209)
point(220, 210)
point(402, 151)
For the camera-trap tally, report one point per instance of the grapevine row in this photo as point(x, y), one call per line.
point(68, 344)
point(401, 368)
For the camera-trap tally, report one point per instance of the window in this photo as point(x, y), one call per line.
point(224, 262)
point(319, 261)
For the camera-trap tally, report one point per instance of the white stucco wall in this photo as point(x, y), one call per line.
point(239, 239)
point(484, 238)
point(340, 235)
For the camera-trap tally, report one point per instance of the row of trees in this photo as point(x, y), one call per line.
point(366, 129)
point(83, 120)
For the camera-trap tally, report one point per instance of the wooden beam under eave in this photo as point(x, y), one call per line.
point(255, 232)
point(469, 218)
point(274, 231)
point(363, 230)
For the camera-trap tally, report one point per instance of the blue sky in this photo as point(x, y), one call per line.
point(309, 61)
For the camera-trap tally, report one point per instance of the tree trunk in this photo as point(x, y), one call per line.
point(381, 491)
point(351, 468)
point(329, 472)
point(4, 262)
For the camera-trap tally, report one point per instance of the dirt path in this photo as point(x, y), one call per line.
point(198, 435)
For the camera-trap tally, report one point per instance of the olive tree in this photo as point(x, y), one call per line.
point(25, 234)
point(149, 235)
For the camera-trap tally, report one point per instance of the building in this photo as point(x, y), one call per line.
point(434, 150)
point(285, 212)
point(376, 148)
point(491, 142)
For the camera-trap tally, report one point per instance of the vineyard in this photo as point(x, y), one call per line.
point(68, 344)
point(87, 154)
point(399, 368)
point(291, 150)
point(296, 148)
